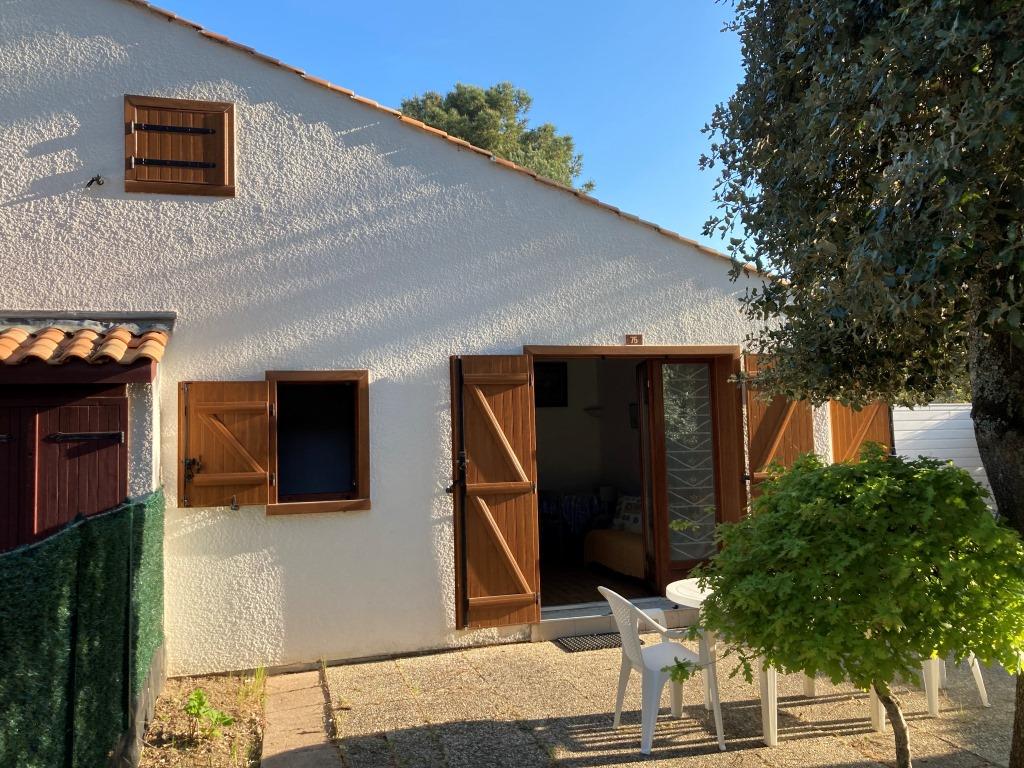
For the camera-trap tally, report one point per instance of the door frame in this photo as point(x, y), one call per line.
point(727, 427)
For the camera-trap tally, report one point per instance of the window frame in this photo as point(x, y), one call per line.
point(227, 189)
point(361, 499)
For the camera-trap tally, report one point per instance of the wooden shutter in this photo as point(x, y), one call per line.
point(778, 431)
point(176, 146)
point(223, 443)
point(497, 532)
point(81, 460)
point(851, 429)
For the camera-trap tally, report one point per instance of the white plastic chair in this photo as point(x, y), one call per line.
point(649, 662)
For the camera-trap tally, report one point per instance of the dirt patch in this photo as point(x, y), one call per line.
point(176, 740)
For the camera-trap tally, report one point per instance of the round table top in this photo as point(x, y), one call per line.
point(686, 593)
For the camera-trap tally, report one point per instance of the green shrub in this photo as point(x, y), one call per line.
point(860, 570)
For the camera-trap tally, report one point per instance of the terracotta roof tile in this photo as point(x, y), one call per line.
point(114, 344)
point(420, 126)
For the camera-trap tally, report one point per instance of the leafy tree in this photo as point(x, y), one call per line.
point(496, 119)
point(861, 570)
point(872, 159)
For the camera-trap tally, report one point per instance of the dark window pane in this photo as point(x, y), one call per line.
point(316, 452)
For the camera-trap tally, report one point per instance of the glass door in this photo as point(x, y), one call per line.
point(683, 453)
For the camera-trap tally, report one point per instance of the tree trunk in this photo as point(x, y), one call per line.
point(997, 389)
point(899, 725)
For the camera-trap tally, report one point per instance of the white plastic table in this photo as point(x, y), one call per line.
point(687, 594)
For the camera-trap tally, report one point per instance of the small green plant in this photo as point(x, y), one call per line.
point(203, 718)
point(861, 570)
point(253, 690)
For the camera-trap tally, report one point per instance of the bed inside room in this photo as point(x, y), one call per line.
point(590, 479)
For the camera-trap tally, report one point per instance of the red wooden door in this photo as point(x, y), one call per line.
point(81, 461)
point(11, 484)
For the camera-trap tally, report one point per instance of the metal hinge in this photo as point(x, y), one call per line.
point(158, 128)
point(74, 437)
point(273, 478)
point(273, 410)
point(134, 162)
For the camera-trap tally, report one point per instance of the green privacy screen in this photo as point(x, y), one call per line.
point(81, 616)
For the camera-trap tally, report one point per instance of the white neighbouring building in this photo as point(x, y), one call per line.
point(260, 224)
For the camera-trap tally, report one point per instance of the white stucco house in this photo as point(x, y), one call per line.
point(382, 376)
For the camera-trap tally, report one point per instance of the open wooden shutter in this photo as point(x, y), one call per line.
point(851, 429)
point(778, 431)
point(223, 443)
point(497, 567)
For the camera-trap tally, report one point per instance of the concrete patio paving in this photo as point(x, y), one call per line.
point(526, 705)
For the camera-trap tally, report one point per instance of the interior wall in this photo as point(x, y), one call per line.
point(569, 439)
point(620, 449)
point(579, 451)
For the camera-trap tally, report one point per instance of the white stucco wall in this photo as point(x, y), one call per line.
point(354, 242)
point(143, 439)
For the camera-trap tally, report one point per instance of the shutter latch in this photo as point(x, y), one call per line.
point(460, 475)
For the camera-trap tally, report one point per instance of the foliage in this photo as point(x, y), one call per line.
point(681, 671)
point(860, 570)
point(38, 585)
point(873, 159)
point(496, 119)
point(63, 693)
point(203, 717)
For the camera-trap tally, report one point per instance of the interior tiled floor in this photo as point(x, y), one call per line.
point(568, 584)
point(524, 705)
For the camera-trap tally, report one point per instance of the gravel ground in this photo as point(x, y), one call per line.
point(525, 705)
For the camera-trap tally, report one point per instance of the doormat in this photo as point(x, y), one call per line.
point(589, 642)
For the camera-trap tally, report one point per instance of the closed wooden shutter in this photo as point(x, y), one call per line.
point(851, 429)
point(497, 531)
point(778, 430)
point(223, 443)
point(177, 146)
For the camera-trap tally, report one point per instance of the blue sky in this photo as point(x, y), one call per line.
point(633, 83)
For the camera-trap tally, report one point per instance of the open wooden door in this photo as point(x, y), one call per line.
point(778, 430)
point(851, 429)
point(495, 491)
